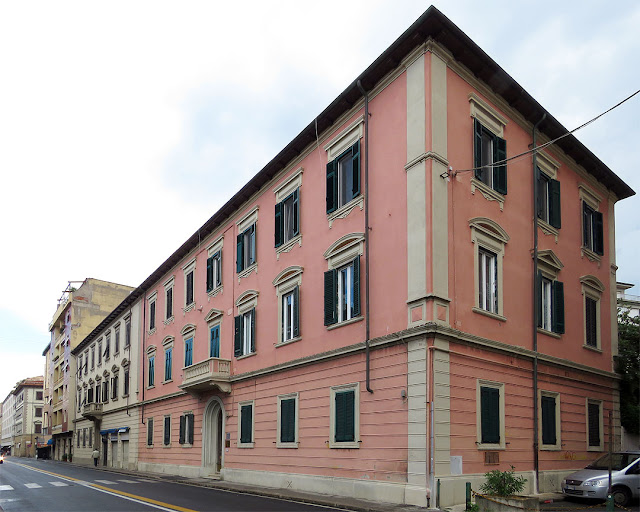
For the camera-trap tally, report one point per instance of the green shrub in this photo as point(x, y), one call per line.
point(503, 483)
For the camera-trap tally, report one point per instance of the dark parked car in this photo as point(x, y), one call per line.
point(593, 481)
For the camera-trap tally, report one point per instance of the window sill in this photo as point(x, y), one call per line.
point(491, 447)
point(550, 447)
point(345, 209)
point(151, 332)
point(595, 448)
point(593, 349)
point(287, 342)
point(247, 271)
point(287, 445)
point(345, 322)
point(167, 381)
point(484, 312)
point(186, 445)
point(488, 193)
point(244, 356)
point(151, 387)
point(166, 445)
point(348, 445)
point(549, 333)
point(149, 446)
point(189, 307)
point(245, 445)
point(169, 320)
point(591, 255)
point(289, 245)
point(215, 291)
point(548, 229)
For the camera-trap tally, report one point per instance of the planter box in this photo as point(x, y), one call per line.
point(510, 504)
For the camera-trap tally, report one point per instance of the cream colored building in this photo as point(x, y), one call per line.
point(27, 416)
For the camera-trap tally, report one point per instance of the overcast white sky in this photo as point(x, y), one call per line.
point(125, 125)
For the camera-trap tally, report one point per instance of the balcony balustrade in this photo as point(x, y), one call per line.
point(201, 377)
point(92, 411)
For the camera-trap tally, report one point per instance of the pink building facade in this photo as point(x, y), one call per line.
point(368, 317)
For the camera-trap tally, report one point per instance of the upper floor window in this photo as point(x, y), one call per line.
point(487, 280)
point(168, 300)
point(125, 383)
point(188, 351)
point(287, 225)
point(99, 353)
point(189, 272)
point(489, 153)
point(246, 248)
point(245, 324)
point(287, 285)
point(214, 341)
point(152, 370)
point(168, 366)
point(214, 271)
point(592, 230)
point(127, 332)
point(343, 178)
point(551, 293)
point(116, 340)
point(93, 356)
point(592, 290)
point(152, 313)
point(107, 345)
point(549, 200)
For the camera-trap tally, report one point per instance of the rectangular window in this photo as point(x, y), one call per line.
point(592, 229)
point(114, 387)
point(246, 424)
point(127, 333)
point(545, 294)
point(38, 428)
point(149, 431)
point(246, 248)
point(551, 305)
point(186, 428)
point(287, 219)
point(549, 200)
point(169, 303)
point(80, 362)
point(287, 421)
point(125, 391)
point(342, 293)
point(244, 339)
point(116, 341)
point(107, 346)
point(548, 410)
point(38, 395)
point(214, 271)
point(189, 288)
point(105, 391)
point(214, 341)
point(591, 321)
point(93, 357)
point(98, 395)
point(344, 417)
point(38, 412)
point(86, 362)
point(343, 178)
point(167, 431)
point(188, 351)
point(152, 365)
point(84, 437)
point(152, 315)
point(290, 315)
point(99, 353)
point(168, 363)
point(487, 280)
point(490, 415)
point(594, 415)
point(489, 149)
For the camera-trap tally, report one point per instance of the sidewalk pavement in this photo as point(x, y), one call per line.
point(342, 502)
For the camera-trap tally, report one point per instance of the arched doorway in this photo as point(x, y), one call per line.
point(213, 425)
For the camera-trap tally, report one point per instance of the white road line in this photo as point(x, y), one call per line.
point(105, 482)
point(147, 481)
point(6, 488)
point(33, 486)
point(59, 484)
point(129, 481)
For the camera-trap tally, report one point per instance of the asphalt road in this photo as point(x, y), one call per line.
point(31, 485)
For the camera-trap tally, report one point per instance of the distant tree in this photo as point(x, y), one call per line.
point(628, 366)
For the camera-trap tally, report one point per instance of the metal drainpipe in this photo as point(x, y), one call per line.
point(536, 298)
point(366, 234)
point(144, 362)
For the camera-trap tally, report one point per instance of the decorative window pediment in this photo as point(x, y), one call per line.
point(187, 329)
point(247, 296)
point(345, 249)
point(489, 228)
point(125, 362)
point(213, 315)
point(549, 259)
point(167, 341)
point(105, 374)
point(592, 282)
point(287, 274)
point(115, 368)
point(151, 349)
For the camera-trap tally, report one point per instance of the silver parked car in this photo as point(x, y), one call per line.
point(593, 481)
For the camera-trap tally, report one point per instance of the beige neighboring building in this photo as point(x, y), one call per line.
point(82, 306)
point(8, 426)
point(107, 388)
point(627, 301)
point(27, 416)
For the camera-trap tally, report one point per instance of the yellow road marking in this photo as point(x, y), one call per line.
point(109, 489)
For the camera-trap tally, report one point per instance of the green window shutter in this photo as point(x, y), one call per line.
point(539, 183)
point(150, 432)
point(182, 426)
point(237, 339)
point(246, 413)
point(288, 420)
point(345, 416)
point(591, 322)
point(356, 286)
point(490, 415)
point(539, 288)
point(296, 312)
point(296, 212)
point(355, 159)
point(557, 305)
point(554, 204)
point(239, 253)
point(218, 257)
point(214, 347)
point(593, 411)
point(598, 235)
point(477, 148)
point(330, 297)
point(279, 225)
point(548, 405)
point(167, 430)
point(253, 330)
point(500, 171)
point(332, 186)
point(209, 274)
point(192, 428)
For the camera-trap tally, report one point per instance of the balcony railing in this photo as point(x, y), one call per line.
point(212, 372)
point(92, 411)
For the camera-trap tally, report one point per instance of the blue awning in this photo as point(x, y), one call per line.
point(51, 441)
point(114, 430)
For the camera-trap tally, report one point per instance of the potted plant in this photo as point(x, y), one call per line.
point(500, 492)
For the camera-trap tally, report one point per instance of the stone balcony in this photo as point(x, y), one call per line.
point(92, 411)
point(210, 373)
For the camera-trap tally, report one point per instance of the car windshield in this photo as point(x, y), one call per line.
point(618, 461)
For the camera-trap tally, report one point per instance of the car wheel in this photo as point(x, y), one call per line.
point(621, 496)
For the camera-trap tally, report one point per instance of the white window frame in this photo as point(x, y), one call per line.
point(217, 267)
point(356, 415)
point(285, 282)
point(245, 222)
point(481, 383)
point(247, 303)
point(558, 445)
point(167, 344)
point(169, 286)
point(214, 319)
point(151, 352)
point(282, 192)
point(189, 268)
point(549, 266)
point(546, 313)
point(295, 442)
point(253, 424)
point(188, 332)
point(152, 299)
